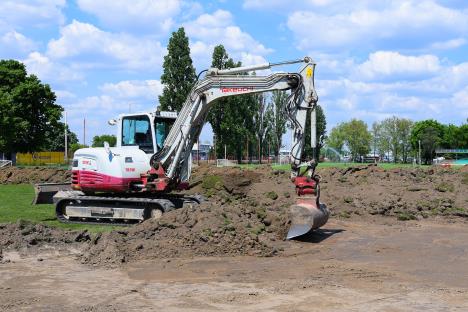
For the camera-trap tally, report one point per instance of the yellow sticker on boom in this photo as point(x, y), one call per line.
point(308, 72)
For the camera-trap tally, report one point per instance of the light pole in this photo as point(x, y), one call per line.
point(419, 152)
point(66, 140)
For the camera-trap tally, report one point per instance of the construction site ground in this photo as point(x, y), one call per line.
point(397, 240)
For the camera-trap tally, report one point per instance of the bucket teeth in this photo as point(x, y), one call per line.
point(306, 215)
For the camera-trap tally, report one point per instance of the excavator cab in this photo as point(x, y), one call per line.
point(147, 131)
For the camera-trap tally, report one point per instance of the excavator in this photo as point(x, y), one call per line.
point(136, 180)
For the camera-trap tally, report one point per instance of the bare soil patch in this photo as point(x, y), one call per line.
point(246, 213)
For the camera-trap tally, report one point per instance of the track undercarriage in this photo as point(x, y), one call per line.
point(77, 207)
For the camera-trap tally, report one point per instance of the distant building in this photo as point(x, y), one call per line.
point(203, 153)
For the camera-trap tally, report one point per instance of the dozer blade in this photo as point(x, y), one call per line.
point(46, 191)
point(305, 216)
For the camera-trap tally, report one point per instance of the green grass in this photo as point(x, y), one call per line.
point(15, 204)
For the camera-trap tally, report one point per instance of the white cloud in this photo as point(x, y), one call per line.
point(14, 44)
point(412, 23)
point(448, 44)
point(87, 44)
point(389, 63)
point(147, 89)
point(48, 70)
point(143, 15)
point(28, 13)
point(285, 5)
point(209, 30)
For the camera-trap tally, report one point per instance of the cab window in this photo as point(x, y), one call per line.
point(162, 127)
point(136, 130)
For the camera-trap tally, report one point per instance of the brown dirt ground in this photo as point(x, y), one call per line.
point(397, 236)
point(246, 212)
point(350, 265)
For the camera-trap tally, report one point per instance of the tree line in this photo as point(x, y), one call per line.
point(397, 139)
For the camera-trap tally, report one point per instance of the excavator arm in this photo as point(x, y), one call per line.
point(171, 164)
point(174, 156)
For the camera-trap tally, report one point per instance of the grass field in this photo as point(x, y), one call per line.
point(15, 204)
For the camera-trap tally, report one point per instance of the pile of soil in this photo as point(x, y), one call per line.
point(405, 193)
point(25, 234)
point(15, 175)
point(246, 212)
point(240, 217)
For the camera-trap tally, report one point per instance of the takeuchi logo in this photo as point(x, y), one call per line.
point(240, 89)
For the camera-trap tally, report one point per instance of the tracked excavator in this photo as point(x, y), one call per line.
point(135, 180)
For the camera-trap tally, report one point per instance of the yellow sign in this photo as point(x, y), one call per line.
point(308, 72)
point(40, 158)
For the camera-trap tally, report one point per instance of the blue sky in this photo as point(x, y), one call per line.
point(374, 59)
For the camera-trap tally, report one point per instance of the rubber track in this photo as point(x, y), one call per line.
point(142, 202)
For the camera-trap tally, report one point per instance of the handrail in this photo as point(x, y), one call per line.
point(5, 163)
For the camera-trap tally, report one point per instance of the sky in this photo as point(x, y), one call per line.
point(375, 59)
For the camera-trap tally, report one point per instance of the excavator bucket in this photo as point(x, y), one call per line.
point(44, 192)
point(306, 215)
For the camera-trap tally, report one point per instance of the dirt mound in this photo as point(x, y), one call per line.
point(237, 219)
point(25, 234)
point(14, 175)
point(405, 193)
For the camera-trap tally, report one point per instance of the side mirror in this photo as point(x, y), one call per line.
point(112, 122)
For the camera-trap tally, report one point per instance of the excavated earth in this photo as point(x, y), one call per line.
point(397, 240)
point(246, 211)
point(14, 175)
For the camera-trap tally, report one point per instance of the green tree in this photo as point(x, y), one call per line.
point(429, 133)
point(463, 136)
point(321, 133)
point(216, 114)
point(55, 138)
point(278, 102)
point(232, 118)
point(336, 139)
point(455, 137)
point(389, 133)
point(27, 109)
point(404, 136)
point(98, 140)
point(377, 139)
point(76, 146)
point(237, 125)
point(395, 135)
point(178, 72)
point(356, 137)
point(260, 123)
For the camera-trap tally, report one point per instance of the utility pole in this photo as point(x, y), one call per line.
point(84, 131)
point(198, 152)
point(419, 152)
point(66, 140)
